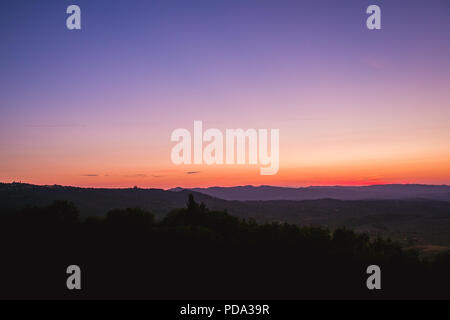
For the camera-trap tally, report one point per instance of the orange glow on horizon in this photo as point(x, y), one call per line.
point(421, 172)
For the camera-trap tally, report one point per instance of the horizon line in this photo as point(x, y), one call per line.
point(235, 186)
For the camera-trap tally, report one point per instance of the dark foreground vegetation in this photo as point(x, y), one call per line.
point(414, 223)
point(195, 253)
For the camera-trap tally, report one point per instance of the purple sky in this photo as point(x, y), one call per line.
point(97, 106)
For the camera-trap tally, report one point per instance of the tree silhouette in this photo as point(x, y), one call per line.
point(192, 206)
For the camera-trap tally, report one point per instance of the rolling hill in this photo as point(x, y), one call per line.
point(412, 221)
point(378, 192)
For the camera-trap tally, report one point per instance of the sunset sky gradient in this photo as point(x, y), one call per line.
point(96, 107)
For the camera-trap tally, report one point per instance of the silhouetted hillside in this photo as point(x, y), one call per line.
point(92, 201)
point(412, 222)
point(195, 252)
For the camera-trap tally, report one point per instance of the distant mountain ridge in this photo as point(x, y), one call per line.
point(374, 192)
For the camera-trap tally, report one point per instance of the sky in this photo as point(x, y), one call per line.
point(96, 107)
